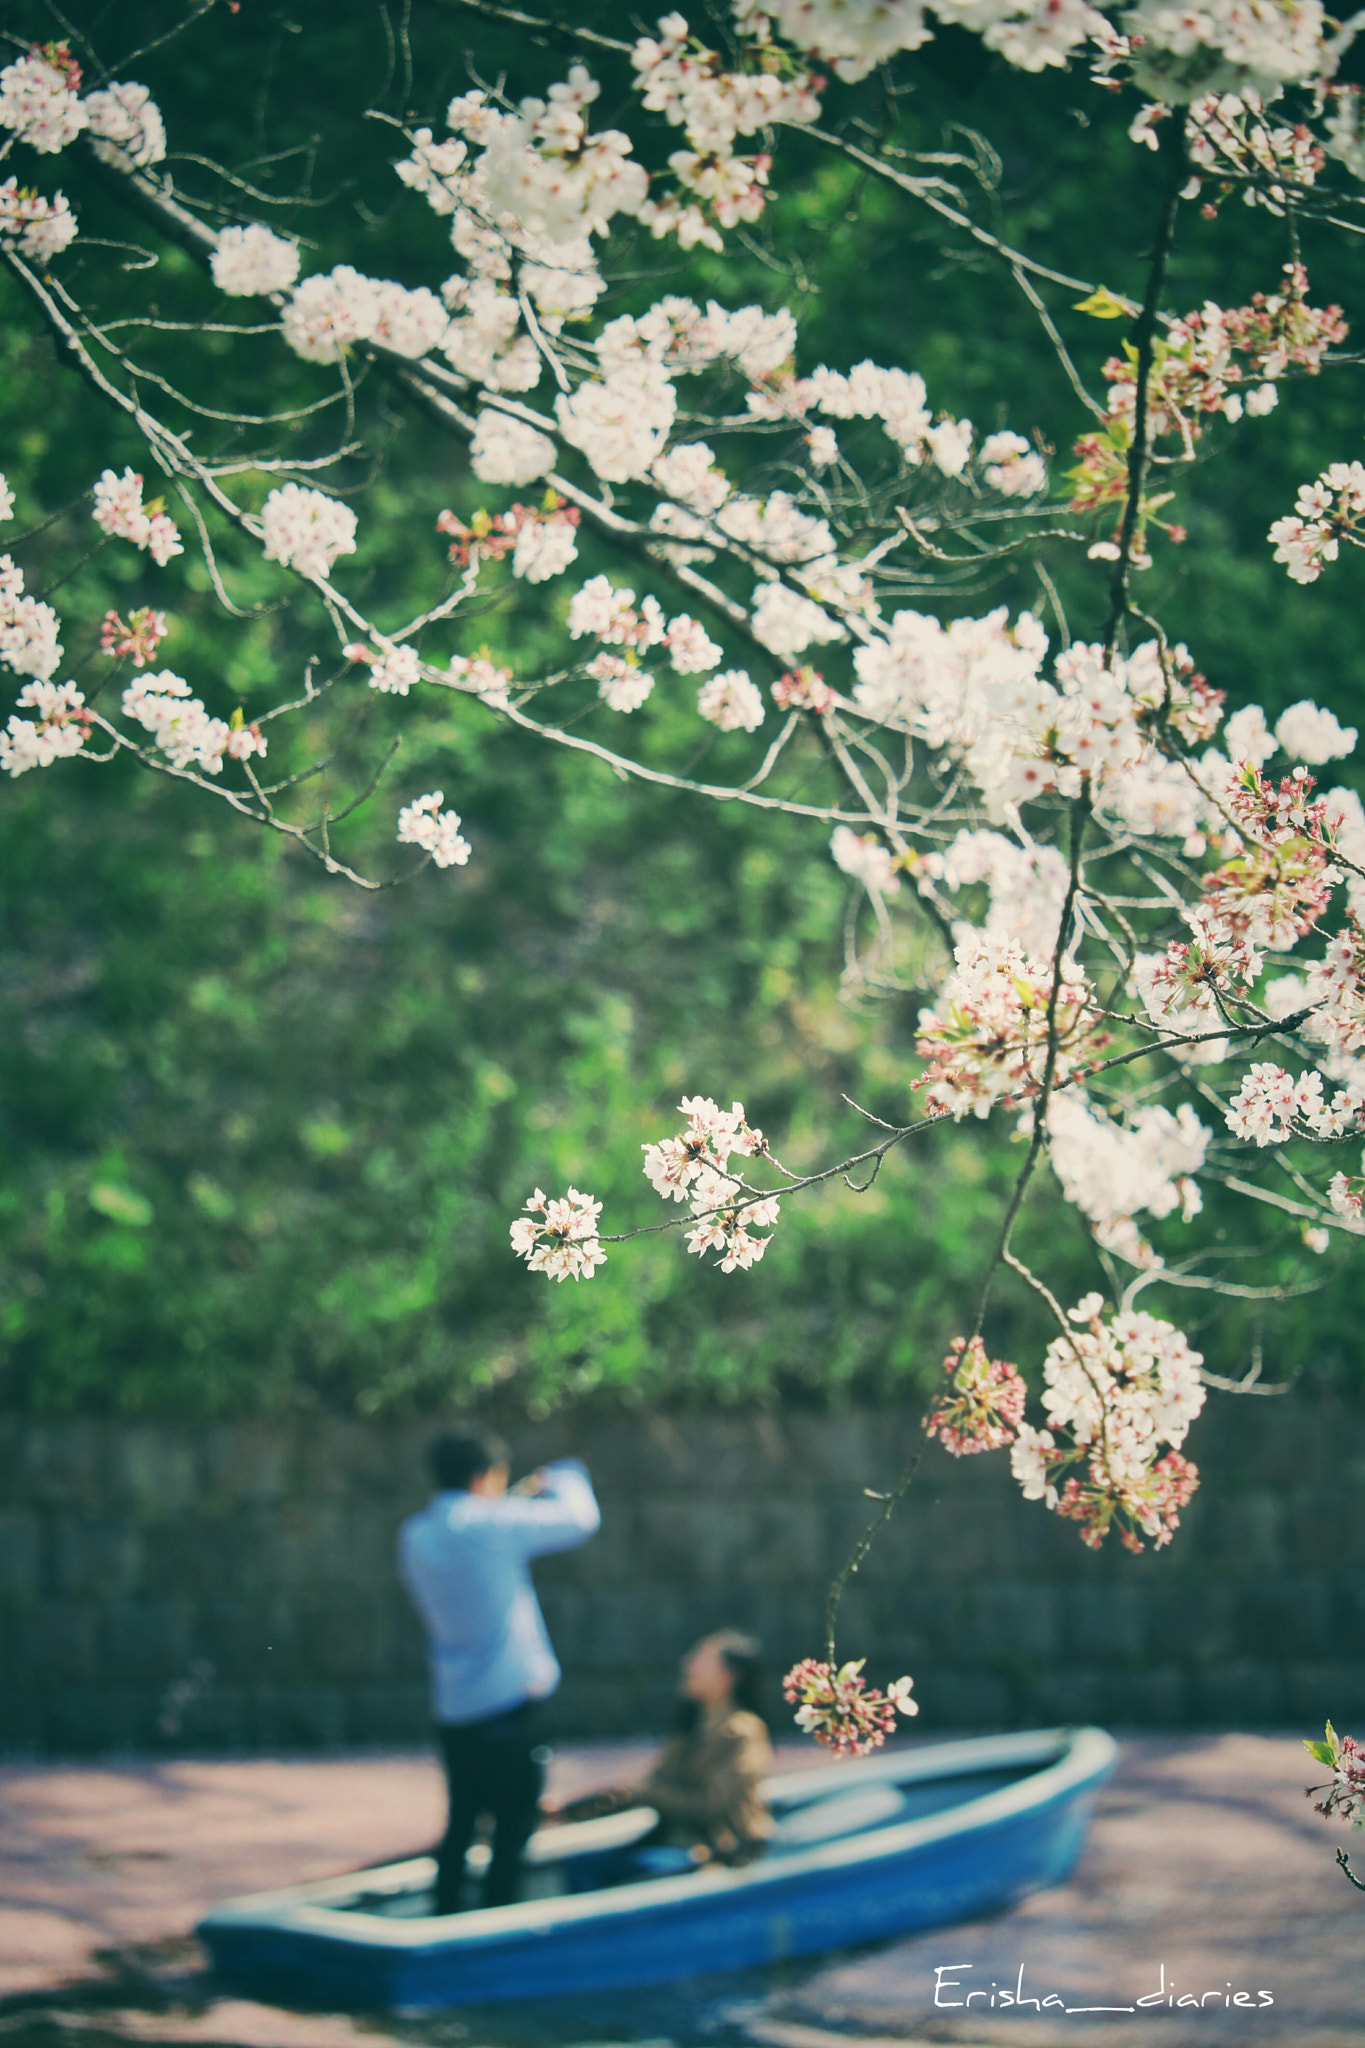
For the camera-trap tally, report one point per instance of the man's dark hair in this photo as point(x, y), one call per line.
point(461, 1455)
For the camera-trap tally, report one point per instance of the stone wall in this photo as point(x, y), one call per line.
point(232, 1585)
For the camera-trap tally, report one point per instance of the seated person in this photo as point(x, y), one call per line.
point(705, 1785)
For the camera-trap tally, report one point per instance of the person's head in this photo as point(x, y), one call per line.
point(724, 1671)
point(469, 1461)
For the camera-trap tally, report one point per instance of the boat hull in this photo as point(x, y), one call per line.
point(975, 1857)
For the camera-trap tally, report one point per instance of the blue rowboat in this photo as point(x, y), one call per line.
point(862, 1850)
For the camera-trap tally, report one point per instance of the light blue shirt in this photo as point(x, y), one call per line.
point(466, 1561)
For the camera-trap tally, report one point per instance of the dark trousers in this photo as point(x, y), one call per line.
point(493, 1767)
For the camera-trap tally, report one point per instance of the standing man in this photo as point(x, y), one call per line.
point(465, 1559)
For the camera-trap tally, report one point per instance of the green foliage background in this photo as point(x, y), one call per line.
point(264, 1133)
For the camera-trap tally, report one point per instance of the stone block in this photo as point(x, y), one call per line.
point(62, 1464)
point(1064, 1695)
point(1282, 1616)
point(59, 1640)
point(1103, 1621)
point(1242, 1534)
point(1325, 1689)
point(245, 1463)
point(591, 1708)
point(626, 1631)
point(23, 1720)
point(853, 1449)
point(1348, 1594)
point(1009, 1618)
point(154, 1469)
point(95, 1559)
point(339, 1458)
point(965, 1536)
point(393, 1713)
point(933, 1617)
point(1317, 1528)
point(1153, 1698)
point(310, 1547)
point(1244, 1692)
point(1192, 1623)
point(147, 1640)
point(625, 1455)
point(698, 1542)
point(91, 1720)
point(567, 1611)
point(21, 1556)
point(958, 1699)
point(298, 1716)
point(217, 1717)
point(340, 1643)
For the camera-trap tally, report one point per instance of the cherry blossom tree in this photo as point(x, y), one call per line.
point(1133, 913)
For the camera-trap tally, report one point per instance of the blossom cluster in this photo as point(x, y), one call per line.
point(393, 668)
point(1345, 1757)
point(1115, 1393)
point(328, 314)
point(976, 688)
point(41, 105)
point(690, 86)
point(28, 627)
point(804, 689)
point(40, 99)
point(163, 705)
point(984, 1405)
point(559, 1237)
point(306, 530)
point(1232, 138)
point(986, 1038)
point(731, 701)
point(423, 823)
point(250, 262)
point(1115, 1171)
point(125, 125)
point(841, 1710)
point(710, 1136)
point(541, 539)
point(1190, 990)
point(120, 512)
point(481, 676)
point(1326, 512)
point(1214, 360)
point(1225, 46)
point(1175, 55)
point(1025, 885)
point(694, 1167)
point(608, 613)
point(1271, 1106)
point(139, 636)
point(59, 727)
point(865, 858)
point(37, 228)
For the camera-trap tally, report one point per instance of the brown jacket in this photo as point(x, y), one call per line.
point(706, 1786)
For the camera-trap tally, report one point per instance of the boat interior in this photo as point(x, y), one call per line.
point(809, 1809)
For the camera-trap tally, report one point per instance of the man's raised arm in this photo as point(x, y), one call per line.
point(562, 1512)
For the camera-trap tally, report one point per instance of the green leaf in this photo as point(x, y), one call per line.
point(324, 1138)
point(1102, 305)
point(121, 1204)
point(211, 1196)
point(1320, 1752)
